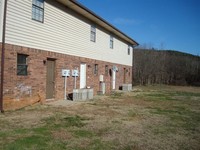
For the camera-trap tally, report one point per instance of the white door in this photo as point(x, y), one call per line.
point(83, 76)
point(113, 79)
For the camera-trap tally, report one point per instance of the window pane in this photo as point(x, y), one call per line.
point(93, 29)
point(92, 36)
point(129, 50)
point(21, 59)
point(21, 64)
point(111, 42)
point(96, 69)
point(34, 2)
point(41, 18)
point(106, 70)
point(21, 69)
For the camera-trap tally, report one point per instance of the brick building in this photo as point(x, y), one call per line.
point(39, 38)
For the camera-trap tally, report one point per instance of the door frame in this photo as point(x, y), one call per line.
point(54, 76)
point(83, 83)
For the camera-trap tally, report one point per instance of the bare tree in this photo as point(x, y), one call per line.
point(165, 67)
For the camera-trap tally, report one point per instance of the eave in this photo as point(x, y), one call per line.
point(79, 8)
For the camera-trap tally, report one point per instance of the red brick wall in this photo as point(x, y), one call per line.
point(32, 88)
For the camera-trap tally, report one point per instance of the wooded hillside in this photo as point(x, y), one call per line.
point(165, 67)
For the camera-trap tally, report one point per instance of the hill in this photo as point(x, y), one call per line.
point(165, 67)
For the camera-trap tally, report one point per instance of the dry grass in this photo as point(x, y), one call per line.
point(153, 117)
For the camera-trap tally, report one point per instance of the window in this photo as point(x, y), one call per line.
point(38, 10)
point(129, 73)
point(129, 50)
point(93, 34)
point(96, 69)
point(22, 64)
point(111, 42)
point(106, 70)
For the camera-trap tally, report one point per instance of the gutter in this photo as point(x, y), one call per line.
point(3, 56)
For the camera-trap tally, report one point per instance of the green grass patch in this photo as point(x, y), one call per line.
point(187, 94)
point(83, 133)
point(180, 117)
point(167, 95)
point(116, 95)
point(132, 113)
point(97, 144)
point(30, 142)
point(69, 121)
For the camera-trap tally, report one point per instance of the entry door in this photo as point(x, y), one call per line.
point(83, 76)
point(113, 79)
point(50, 82)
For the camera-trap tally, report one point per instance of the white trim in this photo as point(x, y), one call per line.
point(113, 79)
point(2, 2)
point(82, 75)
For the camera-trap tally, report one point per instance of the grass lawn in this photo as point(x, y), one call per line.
point(150, 117)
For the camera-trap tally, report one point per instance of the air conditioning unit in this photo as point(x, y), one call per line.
point(127, 87)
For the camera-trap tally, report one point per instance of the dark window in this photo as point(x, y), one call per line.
point(96, 69)
point(93, 34)
point(111, 42)
point(38, 10)
point(106, 70)
point(129, 50)
point(22, 64)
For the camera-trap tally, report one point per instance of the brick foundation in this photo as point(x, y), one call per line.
point(20, 91)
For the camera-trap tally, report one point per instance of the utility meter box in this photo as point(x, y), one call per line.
point(65, 72)
point(115, 68)
point(75, 73)
point(101, 78)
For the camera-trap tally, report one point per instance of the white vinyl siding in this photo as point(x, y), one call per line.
point(1, 18)
point(63, 31)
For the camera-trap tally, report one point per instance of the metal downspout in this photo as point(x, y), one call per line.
point(3, 56)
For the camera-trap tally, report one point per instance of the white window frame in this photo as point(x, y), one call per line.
point(38, 10)
point(129, 50)
point(93, 33)
point(96, 69)
point(111, 42)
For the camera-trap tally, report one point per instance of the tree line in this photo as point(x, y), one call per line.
point(165, 67)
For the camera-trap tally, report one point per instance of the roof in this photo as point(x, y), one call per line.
point(79, 8)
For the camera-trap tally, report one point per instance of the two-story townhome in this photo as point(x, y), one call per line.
point(39, 38)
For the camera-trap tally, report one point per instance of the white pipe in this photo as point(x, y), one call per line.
point(65, 94)
point(75, 82)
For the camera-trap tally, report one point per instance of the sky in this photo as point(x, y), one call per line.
point(159, 24)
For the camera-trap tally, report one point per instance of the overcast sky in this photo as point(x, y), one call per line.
point(162, 24)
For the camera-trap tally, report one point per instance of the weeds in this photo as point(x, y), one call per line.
point(170, 120)
point(116, 94)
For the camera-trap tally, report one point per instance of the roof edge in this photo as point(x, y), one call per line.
point(121, 34)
